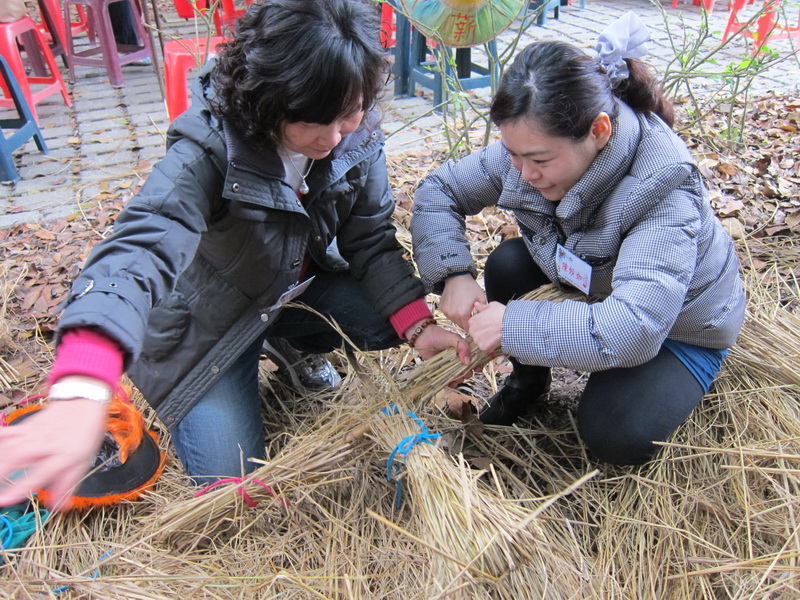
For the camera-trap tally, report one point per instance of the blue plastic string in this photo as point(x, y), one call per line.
point(10, 526)
point(404, 447)
point(95, 573)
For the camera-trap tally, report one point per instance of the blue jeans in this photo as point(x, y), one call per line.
point(621, 411)
point(224, 429)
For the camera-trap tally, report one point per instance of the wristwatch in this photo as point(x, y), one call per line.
point(71, 389)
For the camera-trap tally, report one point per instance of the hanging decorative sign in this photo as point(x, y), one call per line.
point(462, 23)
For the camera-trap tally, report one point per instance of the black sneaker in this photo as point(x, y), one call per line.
point(300, 370)
point(517, 398)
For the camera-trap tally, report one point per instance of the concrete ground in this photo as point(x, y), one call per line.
point(105, 144)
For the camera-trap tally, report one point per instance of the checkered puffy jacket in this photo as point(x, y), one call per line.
point(662, 264)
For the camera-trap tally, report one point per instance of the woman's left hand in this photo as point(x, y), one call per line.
point(434, 339)
point(486, 324)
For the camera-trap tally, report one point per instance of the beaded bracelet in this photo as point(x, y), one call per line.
point(419, 329)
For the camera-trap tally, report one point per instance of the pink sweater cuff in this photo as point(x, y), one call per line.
point(411, 313)
point(87, 352)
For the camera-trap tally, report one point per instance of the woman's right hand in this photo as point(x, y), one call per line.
point(459, 297)
point(54, 447)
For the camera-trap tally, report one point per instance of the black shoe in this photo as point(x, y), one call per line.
point(517, 398)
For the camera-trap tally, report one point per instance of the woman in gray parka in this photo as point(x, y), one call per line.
point(279, 157)
point(608, 201)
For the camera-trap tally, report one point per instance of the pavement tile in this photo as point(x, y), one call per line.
point(45, 169)
point(7, 221)
point(43, 200)
point(54, 132)
point(26, 195)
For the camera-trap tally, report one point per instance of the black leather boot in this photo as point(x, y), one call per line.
point(517, 398)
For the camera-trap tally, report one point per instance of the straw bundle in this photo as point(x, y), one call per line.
point(483, 545)
point(308, 460)
point(768, 342)
point(328, 549)
point(429, 378)
point(478, 536)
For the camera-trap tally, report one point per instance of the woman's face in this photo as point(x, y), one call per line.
point(553, 164)
point(316, 140)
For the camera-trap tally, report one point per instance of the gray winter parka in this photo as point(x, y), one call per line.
point(662, 265)
point(213, 239)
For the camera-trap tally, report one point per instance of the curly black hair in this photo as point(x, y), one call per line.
point(299, 61)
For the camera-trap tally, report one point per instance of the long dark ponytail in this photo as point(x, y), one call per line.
point(562, 89)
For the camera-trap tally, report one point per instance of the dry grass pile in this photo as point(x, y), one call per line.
point(497, 513)
point(718, 514)
point(7, 371)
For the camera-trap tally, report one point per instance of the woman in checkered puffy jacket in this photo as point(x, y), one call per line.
point(608, 201)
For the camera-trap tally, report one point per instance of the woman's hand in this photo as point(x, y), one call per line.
point(434, 339)
point(54, 447)
point(486, 325)
point(460, 295)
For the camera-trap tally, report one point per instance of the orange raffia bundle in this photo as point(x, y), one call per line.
point(127, 464)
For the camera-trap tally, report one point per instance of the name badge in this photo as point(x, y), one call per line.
point(573, 270)
point(290, 294)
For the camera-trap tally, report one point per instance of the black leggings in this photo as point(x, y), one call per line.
point(621, 411)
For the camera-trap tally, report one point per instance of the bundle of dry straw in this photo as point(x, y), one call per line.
point(483, 543)
point(425, 381)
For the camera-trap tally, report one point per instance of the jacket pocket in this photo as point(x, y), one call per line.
point(166, 327)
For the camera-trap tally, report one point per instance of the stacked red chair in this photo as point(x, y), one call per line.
point(106, 53)
point(768, 26)
point(44, 68)
point(180, 56)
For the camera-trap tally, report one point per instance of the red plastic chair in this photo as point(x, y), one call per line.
point(106, 53)
point(52, 27)
point(707, 4)
point(79, 25)
point(388, 27)
point(226, 15)
point(225, 12)
point(180, 56)
point(37, 49)
point(766, 27)
point(185, 9)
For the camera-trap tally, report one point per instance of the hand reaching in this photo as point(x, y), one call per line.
point(434, 339)
point(54, 447)
point(486, 325)
point(460, 295)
